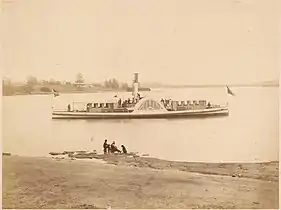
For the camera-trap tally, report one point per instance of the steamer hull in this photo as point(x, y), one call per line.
point(223, 111)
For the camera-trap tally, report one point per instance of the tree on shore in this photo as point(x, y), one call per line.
point(52, 81)
point(7, 87)
point(6, 81)
point(111, 83)
point(79, 78)
point(44, 82)
point(124, 86)
point(31, 81)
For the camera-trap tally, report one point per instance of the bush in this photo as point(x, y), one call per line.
point(7, 90)
point(45, 89)
point(27, 88)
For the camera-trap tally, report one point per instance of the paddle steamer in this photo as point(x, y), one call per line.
point(141, 107)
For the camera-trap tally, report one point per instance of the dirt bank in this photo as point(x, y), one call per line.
point(134, 182)
point(265, 171)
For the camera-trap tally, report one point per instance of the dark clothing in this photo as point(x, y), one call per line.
point(105, 147)
point(124, 150)
point(113, 148)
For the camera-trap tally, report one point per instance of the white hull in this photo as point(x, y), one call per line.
point(141, 115)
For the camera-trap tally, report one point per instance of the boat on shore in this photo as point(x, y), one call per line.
point(139, 107)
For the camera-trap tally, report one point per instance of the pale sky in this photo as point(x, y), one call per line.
point(167, 41)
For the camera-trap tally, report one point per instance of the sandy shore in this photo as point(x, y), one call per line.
point(137, 182)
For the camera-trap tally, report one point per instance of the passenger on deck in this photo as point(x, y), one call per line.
point(113, 148)
point(119, 102)
point(89, 105)
point(68, 108)
point(124, 150)
point(124, 103)
point(139, 97)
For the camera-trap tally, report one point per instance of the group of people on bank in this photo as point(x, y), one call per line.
point(112, 148)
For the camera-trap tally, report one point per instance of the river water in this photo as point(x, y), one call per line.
point(248, 134)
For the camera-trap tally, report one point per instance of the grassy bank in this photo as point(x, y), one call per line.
point(136, 182)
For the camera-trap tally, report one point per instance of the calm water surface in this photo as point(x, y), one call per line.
point(249, 133)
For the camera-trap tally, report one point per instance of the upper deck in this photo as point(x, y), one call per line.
point(143, 105)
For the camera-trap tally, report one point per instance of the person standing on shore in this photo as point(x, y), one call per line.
point(105, 147)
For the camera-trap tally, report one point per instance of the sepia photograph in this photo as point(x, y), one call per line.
point(160, 104)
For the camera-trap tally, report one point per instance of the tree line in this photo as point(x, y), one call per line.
point(32, 83)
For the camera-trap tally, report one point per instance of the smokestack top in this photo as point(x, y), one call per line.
point(136, 78)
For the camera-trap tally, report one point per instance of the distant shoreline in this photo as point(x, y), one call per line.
point(120, 90)
point(72, 92)
point(213, 86)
